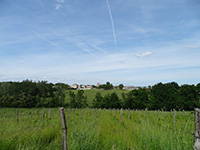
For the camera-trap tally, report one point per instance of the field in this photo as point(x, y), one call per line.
point(93, 129)
point(90, 94)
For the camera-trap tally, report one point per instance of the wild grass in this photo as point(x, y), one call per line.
point(91, 129)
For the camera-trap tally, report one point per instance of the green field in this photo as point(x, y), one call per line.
point(90, 94)
point(92, 129)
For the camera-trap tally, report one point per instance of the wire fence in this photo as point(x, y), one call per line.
point(162, 120)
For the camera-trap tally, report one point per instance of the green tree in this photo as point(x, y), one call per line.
point(98, 100)
point(188, 97)
point(140, 98)
point(72, 98)
point(164, 96)
point(108, 101)
point(120, 86)
point(107, 86)
point(78, 100)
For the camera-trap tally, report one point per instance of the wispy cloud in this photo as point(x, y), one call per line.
point(191, 46)
point(146, 30)
point(144, 54)
point(112, 23)
point(57, 6)
point(59, 3)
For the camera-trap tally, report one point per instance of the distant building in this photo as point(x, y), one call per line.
point(116, 87)
point(75, 86)
point(87, 86)
point(81, 87)
point(130, 88)
point(98, 85)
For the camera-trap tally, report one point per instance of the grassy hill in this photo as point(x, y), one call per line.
point(91, 94)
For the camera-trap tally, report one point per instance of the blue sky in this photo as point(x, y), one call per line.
point(134, 42)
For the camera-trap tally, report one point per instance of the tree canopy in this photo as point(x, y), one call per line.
point(39, 94)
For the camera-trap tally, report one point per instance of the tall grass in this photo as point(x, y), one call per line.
point(90, 129)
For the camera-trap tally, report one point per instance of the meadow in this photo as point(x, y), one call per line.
point(91, 93)
point(96, 129)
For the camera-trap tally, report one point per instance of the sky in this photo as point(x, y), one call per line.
point(134, 42)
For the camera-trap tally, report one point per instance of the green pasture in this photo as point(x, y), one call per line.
point(90, 94)
point(93, 129)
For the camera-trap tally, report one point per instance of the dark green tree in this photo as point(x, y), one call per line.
point(120, 86)
point(188, 97)
point(98, 100)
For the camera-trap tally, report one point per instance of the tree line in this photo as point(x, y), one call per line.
point(32, 94)
point(43, 94)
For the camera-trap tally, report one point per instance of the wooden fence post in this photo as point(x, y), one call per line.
point(197, 130)
point(18, 114)
point(146, 114)
point(162, 113)
point(174, 118)
point(121, 112)
point(80, 112)
point(49, 115)
point(128, 113)
point(64, 128)
point(43, 115)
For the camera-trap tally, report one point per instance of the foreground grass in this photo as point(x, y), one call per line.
point(90, 129)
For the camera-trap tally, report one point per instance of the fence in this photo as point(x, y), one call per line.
point(141, 117)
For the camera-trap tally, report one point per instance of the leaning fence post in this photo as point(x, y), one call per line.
point(197, 130)
point(64, 128)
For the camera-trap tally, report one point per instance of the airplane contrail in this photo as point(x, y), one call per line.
point(52, 43)
point(42, 37)
point(112, 23)
point(85, 48)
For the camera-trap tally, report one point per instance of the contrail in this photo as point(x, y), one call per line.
point(39, 35)
point(85, 48)
point(112, 23)
point(42, 37)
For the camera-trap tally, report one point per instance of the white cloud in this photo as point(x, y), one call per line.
point(192, 46)
point(58, 4)
point(140, 30)
point(146, 30)
point(144, 54)
point(60, 1)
